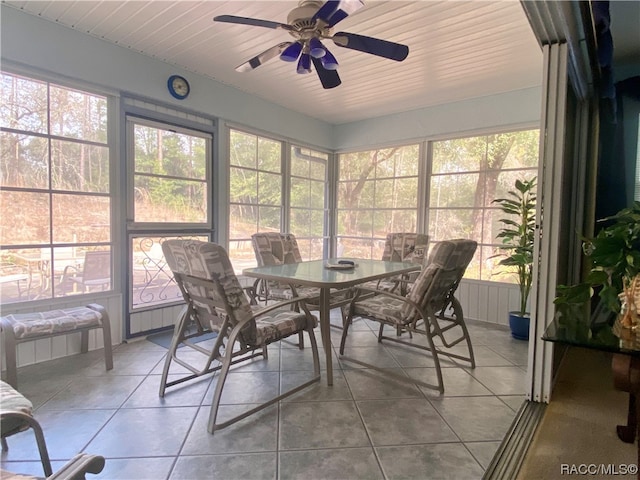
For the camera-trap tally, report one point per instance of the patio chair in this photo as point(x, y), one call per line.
point(217, 303)
point(402, 247)
point(16, 415)
point(274, 248)
point(95, 273)
point(430, 308)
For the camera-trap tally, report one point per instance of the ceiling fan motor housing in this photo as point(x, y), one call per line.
point(300, 17)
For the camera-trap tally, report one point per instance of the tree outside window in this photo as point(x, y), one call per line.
point(377, 194)
point(467, 175)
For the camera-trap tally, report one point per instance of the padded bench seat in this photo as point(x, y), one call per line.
point(24, 327)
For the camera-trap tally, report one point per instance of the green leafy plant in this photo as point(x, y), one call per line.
point(615, 260)
point(518, 233)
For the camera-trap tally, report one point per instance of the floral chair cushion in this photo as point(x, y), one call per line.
point(273, 248)
point(446, 264)
point(279, 324)
point(211, 262)
point(402, 247)
point(278, 292)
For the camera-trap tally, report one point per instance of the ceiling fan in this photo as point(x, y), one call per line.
point(309, 24)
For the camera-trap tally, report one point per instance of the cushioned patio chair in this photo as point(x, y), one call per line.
point(16, 415)
point(274, 248)
point(217, 303)
point(402, 247)
point(430, 308)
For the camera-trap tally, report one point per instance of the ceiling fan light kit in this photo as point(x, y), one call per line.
point(309, 24)
point(316, 49)
point(329, 61)
point(304, 64)
point(292, 52)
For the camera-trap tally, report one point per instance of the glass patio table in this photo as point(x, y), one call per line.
point(315, 273)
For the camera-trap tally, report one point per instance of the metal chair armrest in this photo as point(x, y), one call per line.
point(78, 466)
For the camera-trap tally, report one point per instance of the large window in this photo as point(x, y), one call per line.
point(379, 191)
point(467, 174)
point(377, 194)
point(55, 192)
point(275, 187)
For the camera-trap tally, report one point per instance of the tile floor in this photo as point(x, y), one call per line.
point(367, 426)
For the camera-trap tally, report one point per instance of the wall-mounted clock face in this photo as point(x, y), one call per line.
point(178, 87)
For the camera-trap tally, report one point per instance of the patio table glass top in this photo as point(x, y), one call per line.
point(315, 273)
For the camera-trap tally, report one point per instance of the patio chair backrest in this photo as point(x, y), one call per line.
point(209, 285)
point(405, 247)
point(274, 248)
point(97, 266)
point(438, 281)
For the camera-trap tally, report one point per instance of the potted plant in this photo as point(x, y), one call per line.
point(614, 254)
point(517, 235)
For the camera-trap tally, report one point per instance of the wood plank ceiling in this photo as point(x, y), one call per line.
point(458, 49)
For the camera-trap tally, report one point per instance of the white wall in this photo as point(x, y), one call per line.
point(517, 108)
point(488, 301)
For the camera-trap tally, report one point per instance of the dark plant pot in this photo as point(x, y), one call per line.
point(519, 325)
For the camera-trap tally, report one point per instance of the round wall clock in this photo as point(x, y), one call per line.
point(178, 87)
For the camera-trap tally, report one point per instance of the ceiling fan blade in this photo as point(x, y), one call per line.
point(328, 78)
point(334, 11)
point(374, 46)
point(255, 22)
point(263, 57)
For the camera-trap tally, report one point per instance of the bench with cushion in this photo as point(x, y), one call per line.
point(26, 327)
